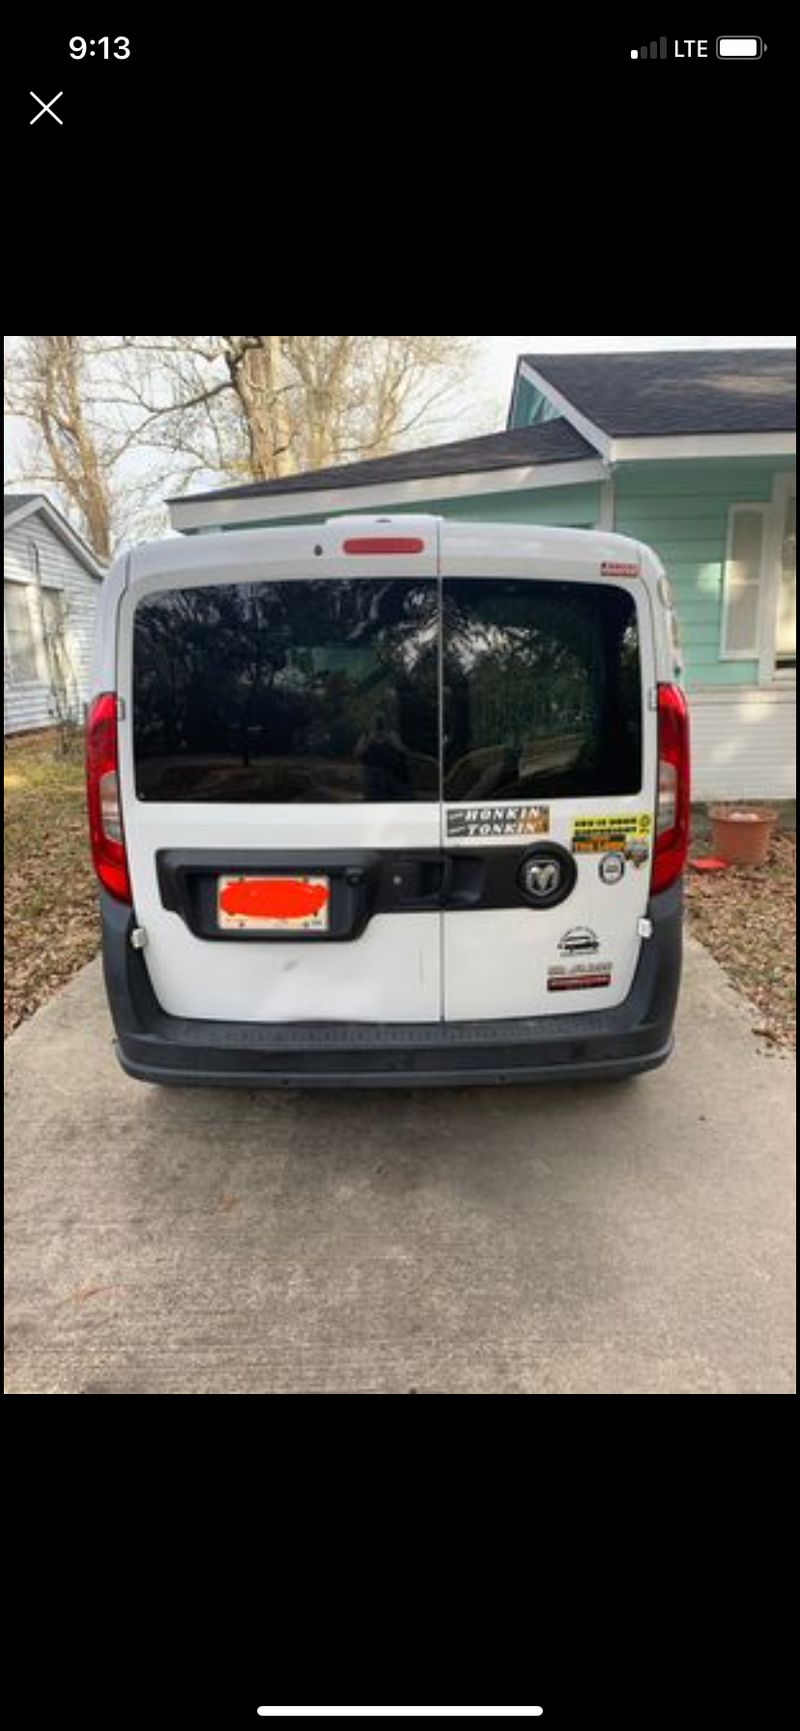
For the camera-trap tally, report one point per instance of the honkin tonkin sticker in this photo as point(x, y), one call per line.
point(479, 820)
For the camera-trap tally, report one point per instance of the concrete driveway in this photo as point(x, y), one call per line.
point(631, 1237)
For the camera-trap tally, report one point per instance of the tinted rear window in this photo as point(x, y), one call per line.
point(542, 689)
point(304, 691)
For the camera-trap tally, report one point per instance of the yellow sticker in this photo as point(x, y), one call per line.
point(610, 834)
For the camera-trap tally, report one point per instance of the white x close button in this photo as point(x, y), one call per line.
point(46, 107)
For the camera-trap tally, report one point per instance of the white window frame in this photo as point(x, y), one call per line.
point(752, 653)
point(769, 673)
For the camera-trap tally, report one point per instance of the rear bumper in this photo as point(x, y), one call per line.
point(155, 1047)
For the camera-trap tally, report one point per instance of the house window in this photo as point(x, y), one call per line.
point(33, 558)
point(742, 586)
point(786, 631)
point(20, 632)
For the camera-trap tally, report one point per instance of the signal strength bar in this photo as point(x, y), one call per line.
point(657, 51)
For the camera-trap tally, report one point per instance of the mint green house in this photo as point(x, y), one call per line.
point(690, 451)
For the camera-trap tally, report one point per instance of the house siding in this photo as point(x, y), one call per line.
point(681, 510)
point(743, 743)
point(743, 732)
point(576, 507)
point(27, 704)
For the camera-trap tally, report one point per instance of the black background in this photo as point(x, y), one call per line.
point(257, 80)
point(352, 124)
point(188, 71)
point(620, 1562)
point(447, 166)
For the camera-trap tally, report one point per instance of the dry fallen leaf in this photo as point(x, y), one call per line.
point(50, 932)
point(81, 1293)
point(225, 1203)
point(746, 918)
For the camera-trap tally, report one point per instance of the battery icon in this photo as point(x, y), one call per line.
point(739, 47)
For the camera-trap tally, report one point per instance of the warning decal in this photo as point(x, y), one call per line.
point(478, 820)
point(612, 834)
point(619, 568)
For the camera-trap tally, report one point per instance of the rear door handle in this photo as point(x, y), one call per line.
point(425, 882)
point(447, 880)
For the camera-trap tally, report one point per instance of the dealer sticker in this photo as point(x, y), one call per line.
point(611, 868)
point(578, 976)
point(480, 820)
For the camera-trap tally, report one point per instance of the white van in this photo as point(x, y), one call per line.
point(392, 800)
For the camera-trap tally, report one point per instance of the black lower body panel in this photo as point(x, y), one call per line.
point(634, 1036)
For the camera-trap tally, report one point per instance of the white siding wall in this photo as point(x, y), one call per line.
point(743, 742)
point(27, 704)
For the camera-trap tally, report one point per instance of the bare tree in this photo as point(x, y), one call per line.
point(261, 407)
point(117, 421)
point(364, 396)
point(256, 370)
point(46, 386)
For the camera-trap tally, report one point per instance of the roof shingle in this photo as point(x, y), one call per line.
point(550, 442)
point(14, 501)
point(674, 391)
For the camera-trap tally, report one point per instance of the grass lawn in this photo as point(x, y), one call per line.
point(51, 920)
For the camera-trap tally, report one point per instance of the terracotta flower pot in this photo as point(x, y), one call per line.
point(742, 837)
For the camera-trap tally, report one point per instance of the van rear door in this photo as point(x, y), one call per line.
point(280, 728)
point(549, 771)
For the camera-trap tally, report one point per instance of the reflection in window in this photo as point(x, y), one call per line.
point(542, 690)
point(303, 691)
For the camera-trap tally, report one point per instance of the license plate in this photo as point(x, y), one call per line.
point(273, 904)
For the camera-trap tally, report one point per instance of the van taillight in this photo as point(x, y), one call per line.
point(384, 544)
point(672, 806)
point(102, 792)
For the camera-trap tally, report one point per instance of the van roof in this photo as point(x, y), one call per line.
point(238, 549)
